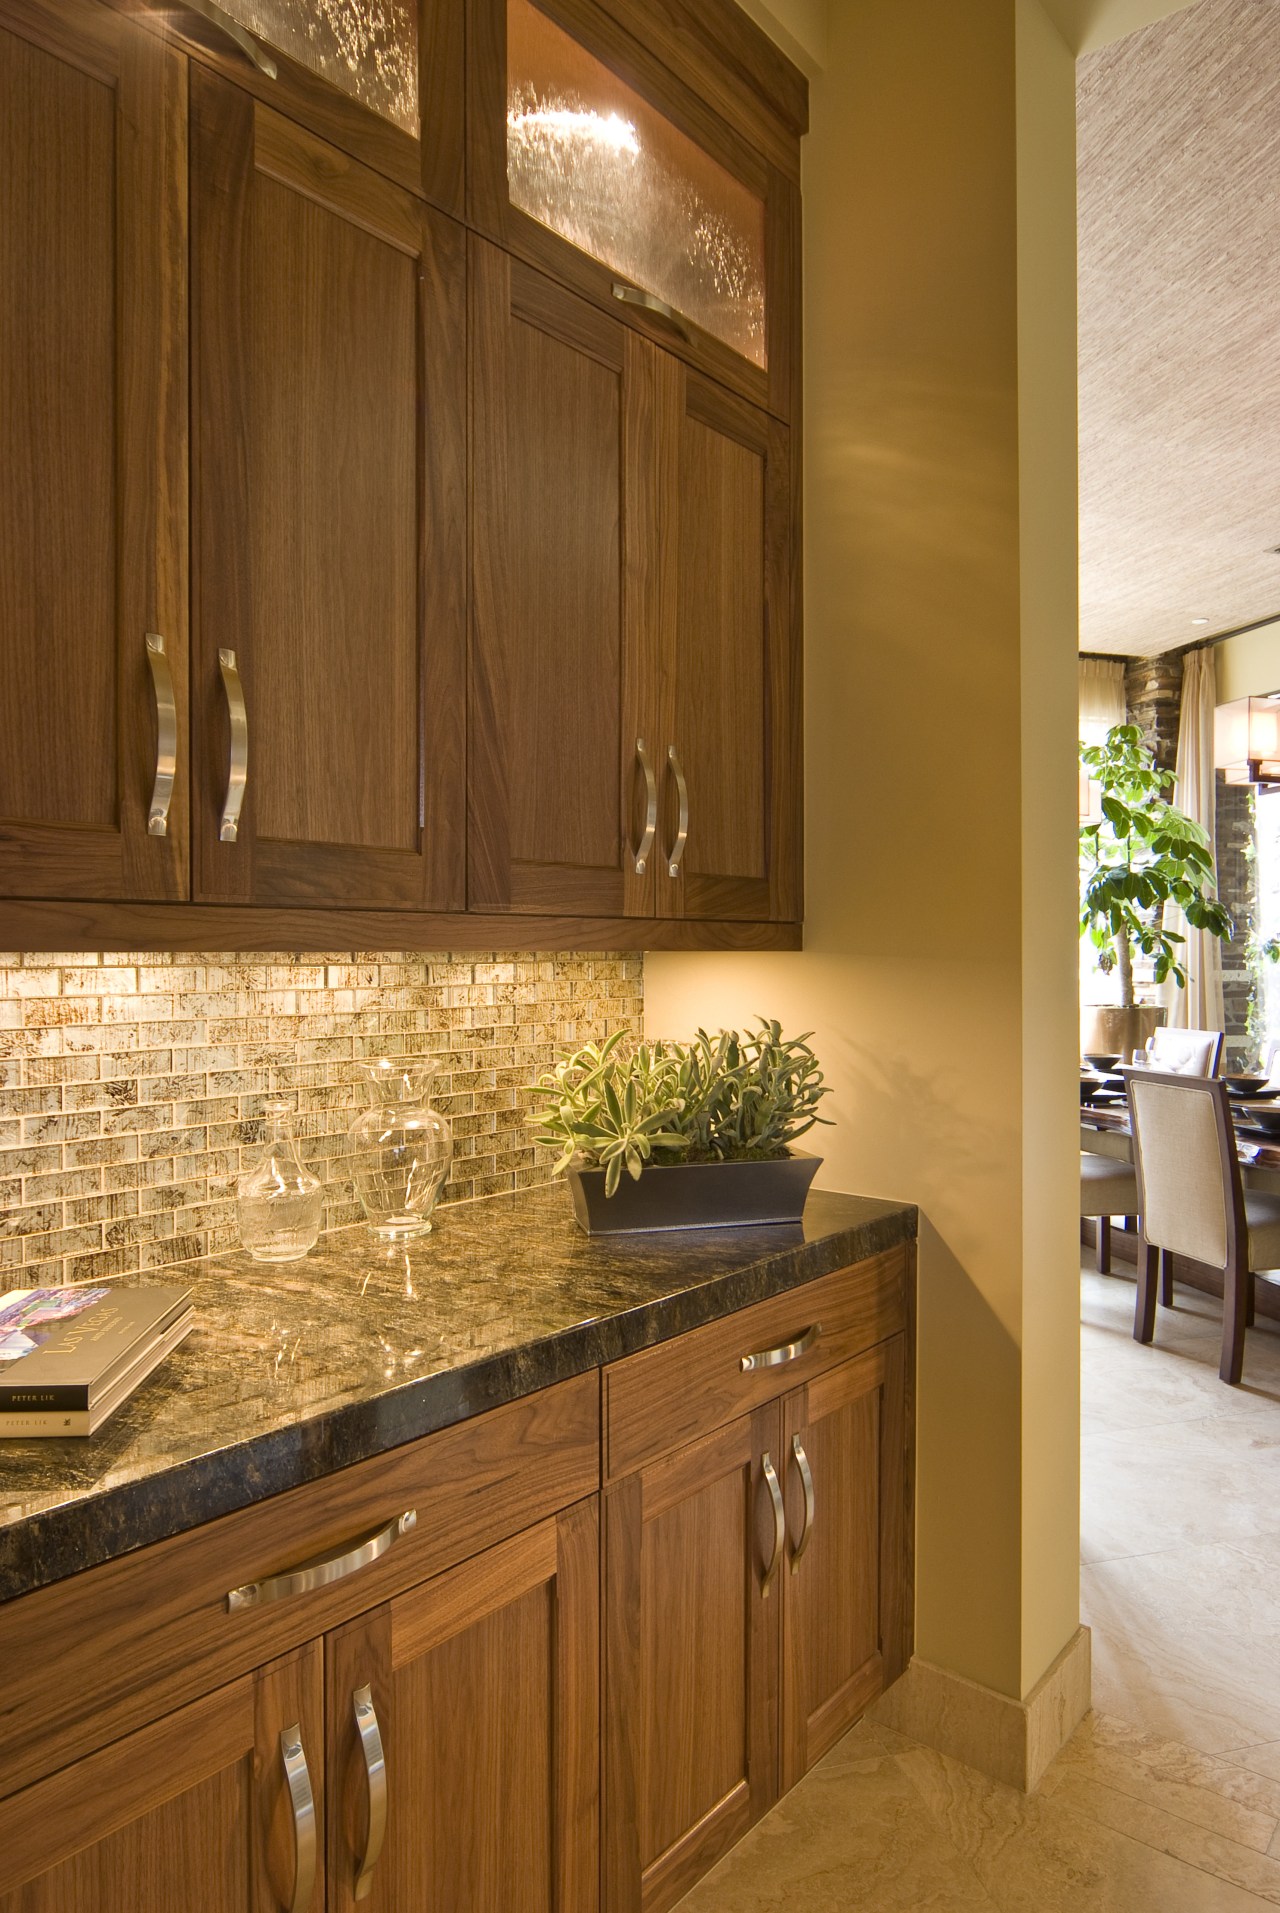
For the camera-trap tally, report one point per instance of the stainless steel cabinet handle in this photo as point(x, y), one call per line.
point(324, 1569)
point(304, 1818)
point(636, 296)
point(682, 825)
point(166, 736)
point(375, 1767)
point(238, 757)
point(650, 808)
point(210, 27)
point(779, 1521)
point(806, 1482)
point(785, 1351)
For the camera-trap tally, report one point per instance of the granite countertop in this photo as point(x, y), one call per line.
point(297, 1369)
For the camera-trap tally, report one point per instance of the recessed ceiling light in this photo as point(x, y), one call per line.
point(1199, 621)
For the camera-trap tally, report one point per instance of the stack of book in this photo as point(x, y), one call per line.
point(70, 1356)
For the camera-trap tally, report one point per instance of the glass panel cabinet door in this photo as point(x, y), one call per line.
point(591, 159)
point(368, 48)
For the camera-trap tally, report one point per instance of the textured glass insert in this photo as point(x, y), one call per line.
point(589, 158)
point(369, 48)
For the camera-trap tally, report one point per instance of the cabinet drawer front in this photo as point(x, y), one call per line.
point(145, 1633)
point(665, 1396)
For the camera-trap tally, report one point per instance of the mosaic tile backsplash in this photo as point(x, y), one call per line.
point(132, 1087)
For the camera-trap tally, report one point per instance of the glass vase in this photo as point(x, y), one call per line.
point(279, 1203)
point(401, 1149)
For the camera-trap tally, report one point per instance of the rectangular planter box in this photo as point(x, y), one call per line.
point(694, 1195)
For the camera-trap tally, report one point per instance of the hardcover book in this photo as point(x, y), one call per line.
point(69, 1356)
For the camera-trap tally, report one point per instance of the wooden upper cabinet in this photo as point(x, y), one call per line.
point(847, 1609)
point(213, 1809)
point(731, 720)
point(561, 671)
point(93, 447)
point(464, 1732)
point(381, 79)
point(329, 341)
point(596, 151)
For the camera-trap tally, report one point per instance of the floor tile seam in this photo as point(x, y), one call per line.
point(1086, 1820)
point(1186, 1819)
point(1149, 1554)
point(1177, 1812)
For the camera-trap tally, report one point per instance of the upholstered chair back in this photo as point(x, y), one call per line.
point(1184, 1151)
point(1188, 1052)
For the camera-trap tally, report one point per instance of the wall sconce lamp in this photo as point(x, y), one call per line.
point(1246, 741)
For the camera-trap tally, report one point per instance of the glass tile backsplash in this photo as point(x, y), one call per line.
point(132, 1087)
point(591, 159)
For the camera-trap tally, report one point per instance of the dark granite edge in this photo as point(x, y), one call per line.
point(40, 1550)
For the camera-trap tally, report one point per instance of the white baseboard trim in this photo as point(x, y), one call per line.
point(1009, 1740)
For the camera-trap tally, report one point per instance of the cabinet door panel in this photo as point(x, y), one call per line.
point(691, 1663)
point(846, 1595)
point(329, 336)
point(93, 402)
point(558, 637)
point(734, 670)
point(485, 1684)
point(193, 1812)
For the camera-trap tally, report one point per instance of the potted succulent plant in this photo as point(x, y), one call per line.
point(1138, 855)
point(691, 1135)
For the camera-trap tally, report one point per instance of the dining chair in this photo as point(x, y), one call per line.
point(1189, 1052)
point(1192, 1200)
point(1108, 1187)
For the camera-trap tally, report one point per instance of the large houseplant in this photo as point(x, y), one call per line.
point(684, 1135)
point(1139, 855)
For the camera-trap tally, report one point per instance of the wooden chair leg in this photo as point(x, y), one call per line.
point(1166, 1278)
point(1237, 1286)
point(1144, 1313)
point(1250, 1312)
point(1104, 1245)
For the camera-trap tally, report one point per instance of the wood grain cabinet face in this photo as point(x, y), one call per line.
point(691, 1658)
point(846, 1605)
point(485, 1687)
point(329, 347)
point(93, 447)
point(194, 1812)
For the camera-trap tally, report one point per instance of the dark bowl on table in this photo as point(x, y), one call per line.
point(1244, 1085)
point(1101, 1060)
point(1264, 1116)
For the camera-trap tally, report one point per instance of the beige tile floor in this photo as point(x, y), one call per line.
point(1168, 1798)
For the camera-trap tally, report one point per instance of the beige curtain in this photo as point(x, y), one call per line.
point(1199, 1006)
point(1101, 697)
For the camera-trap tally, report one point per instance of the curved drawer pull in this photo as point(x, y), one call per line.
point(375, 1767)
point(303, 1803)
point(682, 824)
point(210, 27)
point(785, 1351)
point(779, 1521)
point(806, 1482)
point(166, 736)
point(650, 808)
point(325, 1569)
point(238, 759)
point(649, 302)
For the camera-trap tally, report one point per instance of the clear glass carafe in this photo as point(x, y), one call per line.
point(401, 1149)
point(279, 1203)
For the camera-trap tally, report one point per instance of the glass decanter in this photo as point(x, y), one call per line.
point(279, 1204)
point(401, 1149)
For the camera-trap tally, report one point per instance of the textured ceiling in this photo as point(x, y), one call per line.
point(1179, 150)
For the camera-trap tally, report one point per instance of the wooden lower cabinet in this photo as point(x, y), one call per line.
point(757, 1599)
point(484, 1684)
point(846, 1607)
point(692, 1603)
point(194, 1812)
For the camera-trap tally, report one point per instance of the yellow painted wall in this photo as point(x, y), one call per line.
point(1248, 666)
